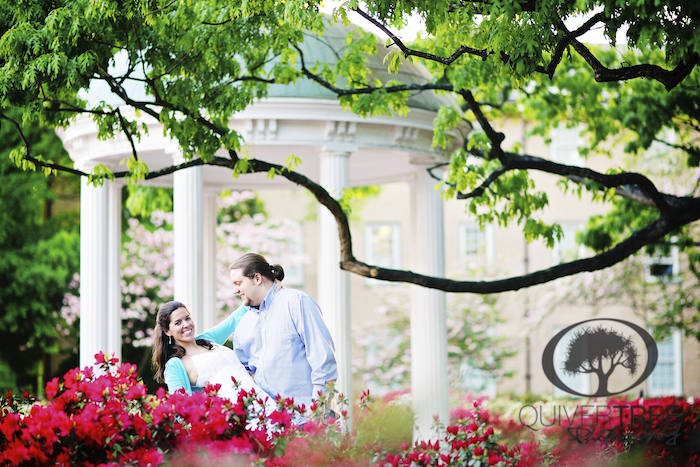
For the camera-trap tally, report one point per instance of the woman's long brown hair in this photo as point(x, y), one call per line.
point(163, 350)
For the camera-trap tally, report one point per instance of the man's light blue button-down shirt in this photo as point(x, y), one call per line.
point(288, 346)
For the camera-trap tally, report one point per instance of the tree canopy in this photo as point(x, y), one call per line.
point(201, 62)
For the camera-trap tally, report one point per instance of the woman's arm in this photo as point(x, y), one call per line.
point(175, 375)
point(221, 332)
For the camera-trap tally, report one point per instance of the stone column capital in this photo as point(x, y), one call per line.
point(338, 150)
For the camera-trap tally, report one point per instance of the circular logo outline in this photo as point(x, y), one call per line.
point(548, 357)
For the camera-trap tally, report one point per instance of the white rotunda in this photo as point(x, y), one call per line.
point(339, 150)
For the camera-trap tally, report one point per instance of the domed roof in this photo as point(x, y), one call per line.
point(329, 48)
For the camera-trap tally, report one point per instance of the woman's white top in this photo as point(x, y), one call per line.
point(218, 366)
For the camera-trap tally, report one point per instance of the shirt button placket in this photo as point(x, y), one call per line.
point(263, 338)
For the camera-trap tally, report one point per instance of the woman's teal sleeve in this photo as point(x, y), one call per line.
point(222, 331)
point(175, 375)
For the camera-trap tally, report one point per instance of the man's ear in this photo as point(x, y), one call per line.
point(257, 278)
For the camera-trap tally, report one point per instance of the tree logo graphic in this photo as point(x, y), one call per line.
point(601, 351)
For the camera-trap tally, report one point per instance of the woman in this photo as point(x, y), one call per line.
point(183, 360)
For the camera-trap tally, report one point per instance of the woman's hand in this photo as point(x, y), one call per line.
point(278, 286)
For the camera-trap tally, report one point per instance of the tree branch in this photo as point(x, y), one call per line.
point(516, 161)
point(511, 161)
point(683, 211)
point(484, 185)
point(496, 137)
point(669, 78)
point(32, 159)
point(566, 40)
point(127, 133)
point(482, 53)
point(369, 89)
point(158, 10)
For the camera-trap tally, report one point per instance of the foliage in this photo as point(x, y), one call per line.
point(194, 65)
point(39, 253)
point(147, 264)
point(475, 353)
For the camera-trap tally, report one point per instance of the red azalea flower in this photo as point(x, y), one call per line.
point(283, 418)
point(52, 388)
point(494, 458)
point(10, 425)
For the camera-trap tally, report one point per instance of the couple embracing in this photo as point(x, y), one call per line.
point(278, 335)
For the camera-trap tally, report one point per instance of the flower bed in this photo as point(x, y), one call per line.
point(104, 417)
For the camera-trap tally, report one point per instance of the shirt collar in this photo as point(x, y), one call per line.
point(268, 298)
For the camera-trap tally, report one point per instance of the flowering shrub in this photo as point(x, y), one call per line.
point(663, 431)
point(471, 440)
point(105, 417)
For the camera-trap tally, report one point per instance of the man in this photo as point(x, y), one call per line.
point(283, 338)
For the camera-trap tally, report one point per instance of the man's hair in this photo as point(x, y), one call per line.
point(253, 263)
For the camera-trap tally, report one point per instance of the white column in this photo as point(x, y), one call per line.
point(334, 283)
point(209, 260)
point(93, 274)
point(114, 270)
point(100, 272)
point(187, 227)
point(428, 322)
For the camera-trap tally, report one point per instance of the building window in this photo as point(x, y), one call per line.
point(667, 377)
point(473, 241)
point(663, 268)
point(580, 382)
point(383, 247)
point(566, 249)
point(564, 146)
point(294, 274)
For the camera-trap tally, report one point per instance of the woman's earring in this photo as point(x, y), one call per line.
point(170, 340)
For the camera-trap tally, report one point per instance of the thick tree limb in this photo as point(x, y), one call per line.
point(681, 212)
point(686, 210)
point(669, 78)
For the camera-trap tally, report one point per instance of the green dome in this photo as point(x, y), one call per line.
point(329, 47)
